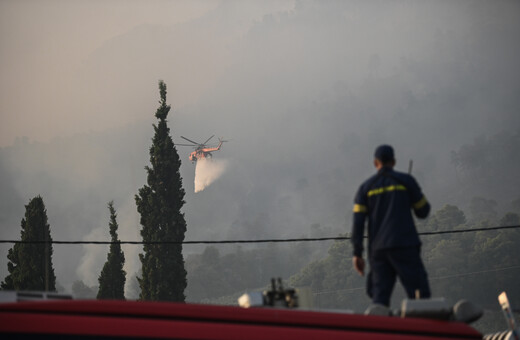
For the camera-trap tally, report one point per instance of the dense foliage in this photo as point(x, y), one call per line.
point(215, 273)
point(474, 265)
point(112, 278)
point(30, 264)
point(159, 203)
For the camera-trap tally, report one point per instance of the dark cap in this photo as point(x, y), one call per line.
point(385, 153)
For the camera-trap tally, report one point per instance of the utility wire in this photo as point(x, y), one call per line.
point(456, 231)
point(347, 290)
point(472, 273)
point(286, 240)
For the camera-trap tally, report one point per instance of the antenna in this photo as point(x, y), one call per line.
point(508, 314)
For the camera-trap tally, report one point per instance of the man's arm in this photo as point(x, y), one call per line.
point(421, 208)
point(359, 265)
point(420, 204)
point(358, 229)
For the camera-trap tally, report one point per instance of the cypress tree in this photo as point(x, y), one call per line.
point(30, 264)
point(112, 278)
point(159, 204)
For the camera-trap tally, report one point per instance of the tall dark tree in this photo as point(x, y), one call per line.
point(159, 203)
point(30, 264)
point(112, 278)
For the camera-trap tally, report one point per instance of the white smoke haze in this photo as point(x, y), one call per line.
point(94, 257)
point(309, 88)
point(207, 171)
point(129, 228)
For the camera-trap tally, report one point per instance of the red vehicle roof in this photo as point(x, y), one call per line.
point(191, 321)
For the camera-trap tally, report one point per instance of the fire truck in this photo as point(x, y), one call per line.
point(271, 314)
point(158, 320)
point(57, 317)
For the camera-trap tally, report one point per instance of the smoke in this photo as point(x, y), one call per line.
point(208, 171)
point(93, 258)
point(339, 78)
point(128, 221)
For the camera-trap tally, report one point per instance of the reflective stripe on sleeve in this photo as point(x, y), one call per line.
point(421, 203)
point(379, 191)
point(360, 208)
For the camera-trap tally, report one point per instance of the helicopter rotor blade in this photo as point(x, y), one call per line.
point(208, 140)
point(189, 140)
point(184, 144)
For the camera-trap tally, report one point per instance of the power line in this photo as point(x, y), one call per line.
point(472, 273)
point(348, 290)
point(286, 240)
point(456, 231)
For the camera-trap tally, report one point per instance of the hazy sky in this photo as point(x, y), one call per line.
point(64, 70)
point(304, 90)
point(45, 45)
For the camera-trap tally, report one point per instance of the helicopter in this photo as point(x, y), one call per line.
point(202, 150)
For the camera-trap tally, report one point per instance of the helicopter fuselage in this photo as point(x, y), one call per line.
point(203, 153)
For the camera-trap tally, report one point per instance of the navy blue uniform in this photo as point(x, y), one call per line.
point(387, 199)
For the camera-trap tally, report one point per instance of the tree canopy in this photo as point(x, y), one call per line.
point(30, 264)
point(159, 203)
point(112, 278)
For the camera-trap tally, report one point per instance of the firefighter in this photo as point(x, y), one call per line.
point(387, 199)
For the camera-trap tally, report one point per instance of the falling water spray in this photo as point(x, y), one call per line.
point(208, 171)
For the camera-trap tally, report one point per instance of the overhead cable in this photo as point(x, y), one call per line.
point(348, 290)
point(286, 240)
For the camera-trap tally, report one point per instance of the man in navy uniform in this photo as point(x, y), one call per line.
point(387, 199)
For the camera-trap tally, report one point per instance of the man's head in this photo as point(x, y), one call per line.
point(384, 156)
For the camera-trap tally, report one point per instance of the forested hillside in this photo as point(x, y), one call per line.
point(303, 91)
point(473, 265)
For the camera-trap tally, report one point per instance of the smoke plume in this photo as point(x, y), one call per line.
point(93, 258)
point(208, 171)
